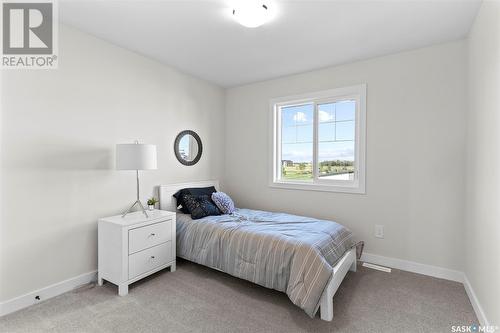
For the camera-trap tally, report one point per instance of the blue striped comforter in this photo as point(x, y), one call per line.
point(289, 253)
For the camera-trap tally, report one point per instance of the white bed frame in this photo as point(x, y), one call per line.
point(345, 264)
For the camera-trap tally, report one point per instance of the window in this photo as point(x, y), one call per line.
point(319, 140)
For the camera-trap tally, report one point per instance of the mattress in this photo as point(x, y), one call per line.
point(290, 253)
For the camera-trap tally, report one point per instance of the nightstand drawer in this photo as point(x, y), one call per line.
point(148, 236)
point(144, 261)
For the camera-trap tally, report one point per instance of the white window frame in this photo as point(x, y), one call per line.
point(358, 185)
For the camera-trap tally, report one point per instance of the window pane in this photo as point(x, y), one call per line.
point(345, 110)
point(289, 135)
point(305, 133)
point(326, 112)
point(297, 115)
point(345, 130)
point(326, 132)
point(297, 142)
point(336, 160)
point(296, 161)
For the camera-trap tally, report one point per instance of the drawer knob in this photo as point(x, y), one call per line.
point(152, 257)
point(153, 234)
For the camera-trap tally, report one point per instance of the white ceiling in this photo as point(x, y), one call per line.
point(201, 38)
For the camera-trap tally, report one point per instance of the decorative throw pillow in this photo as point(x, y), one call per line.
point(223, 202)
point(193, 191)
point(200, 206)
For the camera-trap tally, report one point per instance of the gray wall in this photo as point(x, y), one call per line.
point(416, 105)
point(482, 227)
point(58, 134)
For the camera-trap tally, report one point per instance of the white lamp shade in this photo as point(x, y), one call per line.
point(135, 156)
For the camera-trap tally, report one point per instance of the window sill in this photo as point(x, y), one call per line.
point(318, 187)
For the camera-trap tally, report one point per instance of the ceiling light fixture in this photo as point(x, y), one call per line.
point(252, 14)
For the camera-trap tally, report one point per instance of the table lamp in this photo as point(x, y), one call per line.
point(136, 156)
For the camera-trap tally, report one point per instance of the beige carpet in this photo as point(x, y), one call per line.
point(197, 299)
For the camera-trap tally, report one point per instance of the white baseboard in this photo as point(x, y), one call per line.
point(56, 289)
point(435, 271)
point(475, 303)
point(414, 267)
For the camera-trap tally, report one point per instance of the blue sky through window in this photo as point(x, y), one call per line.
point(336, 132)
point(297, 133)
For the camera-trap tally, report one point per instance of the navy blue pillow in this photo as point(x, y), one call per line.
point(200, 206)
point(193, 191)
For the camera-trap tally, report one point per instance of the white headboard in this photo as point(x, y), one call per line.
point(166, 192)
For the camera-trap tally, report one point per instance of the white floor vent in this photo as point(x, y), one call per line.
point(377, 267)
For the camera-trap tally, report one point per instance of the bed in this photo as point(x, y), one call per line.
point(304, 257)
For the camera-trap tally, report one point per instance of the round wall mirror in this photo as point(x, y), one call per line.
point(188, 147)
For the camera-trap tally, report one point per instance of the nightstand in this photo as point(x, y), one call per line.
point(135, 246)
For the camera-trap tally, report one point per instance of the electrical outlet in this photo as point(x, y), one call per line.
point(379, 231)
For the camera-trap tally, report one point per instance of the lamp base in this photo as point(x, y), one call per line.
point(137, 202)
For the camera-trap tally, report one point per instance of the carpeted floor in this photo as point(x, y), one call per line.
point(198, 299)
